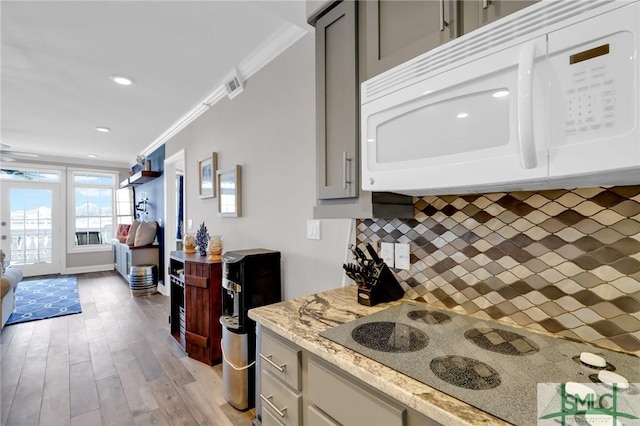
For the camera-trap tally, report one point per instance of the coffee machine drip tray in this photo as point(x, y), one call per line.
point(231, 322)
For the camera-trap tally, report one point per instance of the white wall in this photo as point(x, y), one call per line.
point(269, 130)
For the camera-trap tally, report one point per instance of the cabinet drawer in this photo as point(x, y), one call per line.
point(348, 402)
point(317, 417)
point(280, 401)
point(195, 281)
point(269, 419)
point(282, 359)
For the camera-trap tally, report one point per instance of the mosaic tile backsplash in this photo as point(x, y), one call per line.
point(564, 261)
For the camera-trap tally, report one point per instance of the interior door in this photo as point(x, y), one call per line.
point(30, 226)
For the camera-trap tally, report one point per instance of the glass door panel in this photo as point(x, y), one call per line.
point(28, 227)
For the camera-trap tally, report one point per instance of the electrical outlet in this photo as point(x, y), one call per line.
point(402, 256)
point(189, 224)
point(386, 253)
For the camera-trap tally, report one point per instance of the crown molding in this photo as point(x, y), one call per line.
point(279, 41)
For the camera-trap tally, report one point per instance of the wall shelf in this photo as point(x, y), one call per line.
point(143, 176)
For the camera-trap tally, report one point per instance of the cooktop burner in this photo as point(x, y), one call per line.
point(501, 341)
point(486, 364)
point(465, 372)
point(390, 337)
point(429, 317)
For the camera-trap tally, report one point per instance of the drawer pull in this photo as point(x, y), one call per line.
point(280, 368)
point(267, 400)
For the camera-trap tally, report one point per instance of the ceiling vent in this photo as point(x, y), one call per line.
point(233, 83)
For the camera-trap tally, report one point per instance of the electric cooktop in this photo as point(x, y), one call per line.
point(491, 366)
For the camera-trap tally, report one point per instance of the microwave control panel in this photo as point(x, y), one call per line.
point(597, 84)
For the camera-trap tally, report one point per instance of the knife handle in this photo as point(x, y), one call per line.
point(373, 253)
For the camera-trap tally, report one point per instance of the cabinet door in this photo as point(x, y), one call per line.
point(476, 13)
point(337, 103)
point(398, 30)
point(492, 10)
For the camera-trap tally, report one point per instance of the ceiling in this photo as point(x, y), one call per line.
point(58, 57)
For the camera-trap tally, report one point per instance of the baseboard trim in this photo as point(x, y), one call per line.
point(87, 269)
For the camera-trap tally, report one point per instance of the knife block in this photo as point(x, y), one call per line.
point(384, 288)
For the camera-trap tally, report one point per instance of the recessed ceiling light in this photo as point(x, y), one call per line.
point(501, 94)
point(103, 129)
point(122, 80)
point(91, 155)
point(462, 115)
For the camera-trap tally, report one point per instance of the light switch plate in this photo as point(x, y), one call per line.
point(313, 229)
point(402, 256)
point(386, 253)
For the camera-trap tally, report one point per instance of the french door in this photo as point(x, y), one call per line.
point(30, 226)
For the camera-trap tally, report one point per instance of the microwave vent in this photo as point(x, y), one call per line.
point(526, 24)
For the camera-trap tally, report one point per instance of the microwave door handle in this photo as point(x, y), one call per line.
point(525, 106)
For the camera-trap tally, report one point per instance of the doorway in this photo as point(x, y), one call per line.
point(174, 209)
point(29, 221)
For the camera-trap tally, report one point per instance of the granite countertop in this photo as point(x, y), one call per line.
point(301, 320)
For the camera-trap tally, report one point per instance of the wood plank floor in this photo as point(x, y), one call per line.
point(113, 364)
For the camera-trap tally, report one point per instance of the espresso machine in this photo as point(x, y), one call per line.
point(250, 278)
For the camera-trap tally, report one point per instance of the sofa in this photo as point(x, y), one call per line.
point(9, 280)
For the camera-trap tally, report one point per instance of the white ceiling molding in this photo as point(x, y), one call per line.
point(280, 41)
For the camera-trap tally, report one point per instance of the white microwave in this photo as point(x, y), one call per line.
point(546, 97)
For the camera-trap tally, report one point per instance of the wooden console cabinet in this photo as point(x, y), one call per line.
point(196, 305)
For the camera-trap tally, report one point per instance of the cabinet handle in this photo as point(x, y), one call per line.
point(267, 400)
point(485, 3)
point(525, 106)
point(443, 23)
point(280, 368)
point(345, 161)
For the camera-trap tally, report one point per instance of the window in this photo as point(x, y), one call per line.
point(93, 214)
point(124, 206)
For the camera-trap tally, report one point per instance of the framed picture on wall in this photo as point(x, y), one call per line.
point(207, 174)
point(229, 184)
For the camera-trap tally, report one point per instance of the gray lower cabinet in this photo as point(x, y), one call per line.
point(125, 257)
point(298, 388)
point(280, 381)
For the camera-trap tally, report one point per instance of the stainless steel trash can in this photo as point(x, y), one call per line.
point(235, 369)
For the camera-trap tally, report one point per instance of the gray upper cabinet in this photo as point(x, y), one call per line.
point(398, 30)
point(476, 13)
point(337, 103)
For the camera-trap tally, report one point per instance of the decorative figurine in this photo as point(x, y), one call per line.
point(215, 248)
point(202, 240)
point(189, 243)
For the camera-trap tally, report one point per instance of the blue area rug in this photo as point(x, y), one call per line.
point(46, 298)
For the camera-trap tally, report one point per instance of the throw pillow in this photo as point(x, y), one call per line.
point(122, 232)
point(131, 238)
point(145, 234)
